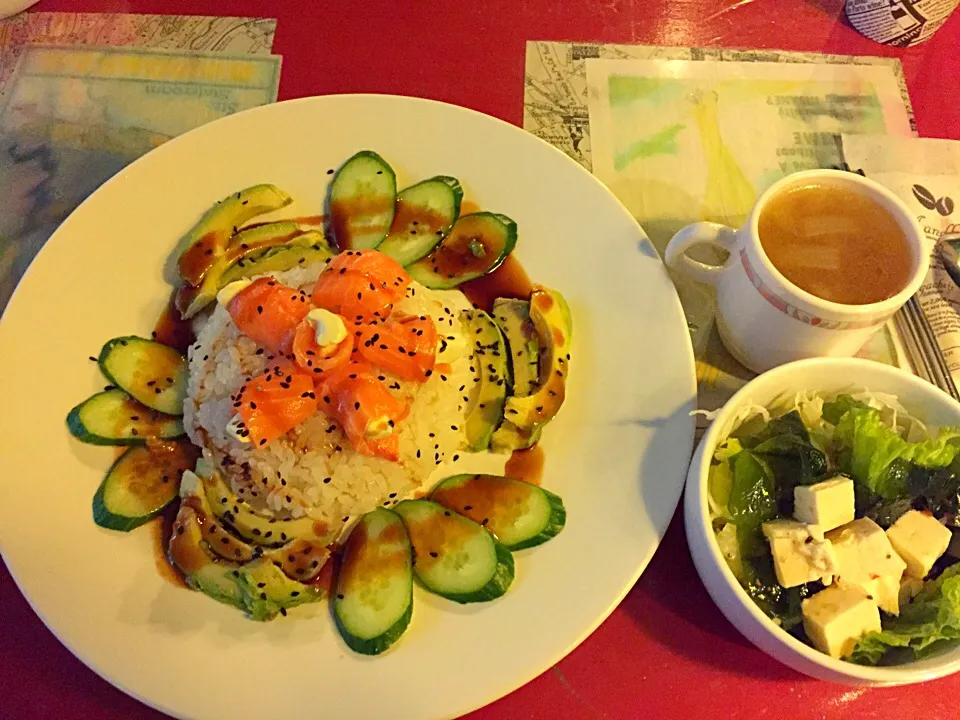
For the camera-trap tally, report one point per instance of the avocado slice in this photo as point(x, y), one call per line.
point(309, 247)
point(192, 299)
point(267, 591)
point(206, 241)
point(513, 318)
point(220, 539)
point(493, 368)
point(300, 559)
point(250, 524)
point(553, 322)
point(523, 344)
point(259, 588)
point(203, 571)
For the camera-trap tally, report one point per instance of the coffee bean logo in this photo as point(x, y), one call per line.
point(944, 206)
point(924, 197)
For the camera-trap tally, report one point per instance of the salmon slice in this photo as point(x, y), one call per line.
point(268, 313)
point(275, 402)
point(353, 396)
point(361, 285)
point(405, 347)
point(314, 358)
point(382, 269)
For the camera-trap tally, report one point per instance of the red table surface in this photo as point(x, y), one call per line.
point(666, 652)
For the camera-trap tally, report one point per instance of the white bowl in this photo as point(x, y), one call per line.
point(922, 399)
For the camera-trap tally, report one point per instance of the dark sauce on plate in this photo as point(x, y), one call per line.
point(509, 280)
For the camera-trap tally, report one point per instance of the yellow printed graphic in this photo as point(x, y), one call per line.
point(153, 66)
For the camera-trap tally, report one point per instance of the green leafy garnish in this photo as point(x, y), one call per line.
point(872, 449)
point(933, 616)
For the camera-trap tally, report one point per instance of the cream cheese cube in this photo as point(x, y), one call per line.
point(920, 540)
point(828, 504)
point(836, 618)
point(800, 552)
point(866, 560)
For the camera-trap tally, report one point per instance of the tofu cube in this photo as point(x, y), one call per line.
point(836, 618)
point(800, 552)
point(828, 504)
point(865, 560)
point(910, 587)
point(920, 540)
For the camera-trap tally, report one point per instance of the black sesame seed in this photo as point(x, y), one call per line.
point(433, 555)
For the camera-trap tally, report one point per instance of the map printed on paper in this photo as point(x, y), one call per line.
point(84, 95)
point(663, 129)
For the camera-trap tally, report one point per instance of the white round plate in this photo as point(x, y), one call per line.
point(617, 453)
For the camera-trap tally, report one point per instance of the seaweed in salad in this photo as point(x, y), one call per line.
point(896, 465)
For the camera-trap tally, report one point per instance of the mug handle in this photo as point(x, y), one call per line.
point(701, 233)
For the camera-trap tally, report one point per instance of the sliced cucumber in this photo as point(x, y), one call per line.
point(493, 368)
point(453, 556)
point(207, 240)
point(305, 249)
point(114, 418)
point(476, 245)
point(425, 213)
point(141, 483)
point(374, 600)
point(153, 373)
point(363, 198)
point(521, 515)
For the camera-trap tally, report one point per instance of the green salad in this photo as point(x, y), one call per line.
point(840, 517)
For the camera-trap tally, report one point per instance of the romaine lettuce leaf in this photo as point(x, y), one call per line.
point(752, 499)
point(870, 450)
point(933, 616)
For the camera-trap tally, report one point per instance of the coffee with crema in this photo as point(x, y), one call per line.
point(836, 243)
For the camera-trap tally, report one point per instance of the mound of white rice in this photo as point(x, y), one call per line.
point(314, 470)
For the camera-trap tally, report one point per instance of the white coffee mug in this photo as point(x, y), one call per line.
point(764, 319)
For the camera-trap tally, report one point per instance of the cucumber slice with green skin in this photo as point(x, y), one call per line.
point(207, 240)
point(374, 600)
point(305, 249)
point(114, 418)
point(152, 373)
point(476, 245)
point(363, 199)
point(519, 514)
point(493, 366)
point(455, 557)
point(424, 216)
point(141, 483)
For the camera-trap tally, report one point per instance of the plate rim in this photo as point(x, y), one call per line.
point(658, 525)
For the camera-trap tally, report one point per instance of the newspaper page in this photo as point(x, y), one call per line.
point(671, 133)
point(74, 113)
point(925, 174)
